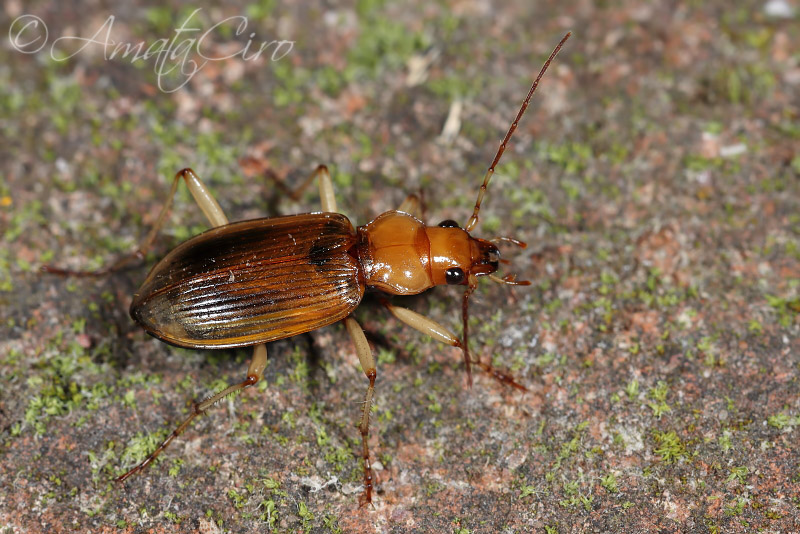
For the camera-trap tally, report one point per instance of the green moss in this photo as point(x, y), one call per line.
point(433, 406)
point(670, 447)
point(432, 487)
point(322, 437)
point(725, 441)
point(782, 420)
point(527, 491)
point(742, 84)
point(609, 482)
point(141, 445)
point(338, 457)
point(383, 43)
point(23, 219)
point(58, 382)
point(453, 86)
point(386, 356)
point(737, 507)
point(632, 389)
point(301, 371)
point(239, 499)
point(739, 474)
point(574, 497)
point(572, 156)
point(305, 515)
point(659, 395)
point(176, 467)
point(785, 308)
point(269, 513)
point(129, 399)
point(571, 447)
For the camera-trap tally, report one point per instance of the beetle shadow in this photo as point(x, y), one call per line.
point(372, 302)
point(313, 360)
point(278, 190)
point(110, 329)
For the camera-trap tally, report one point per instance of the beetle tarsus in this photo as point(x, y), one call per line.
point(104, 271)
point(501, 375)
point(254, 373)
point(465, 325)
point(164, 444)
point(369, 476)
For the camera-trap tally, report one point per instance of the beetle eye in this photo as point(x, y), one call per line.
point(454, 275)
point(448, 223)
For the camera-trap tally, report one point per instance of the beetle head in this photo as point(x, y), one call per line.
point(457, 258)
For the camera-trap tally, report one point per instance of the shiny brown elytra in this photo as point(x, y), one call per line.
point(251, 282)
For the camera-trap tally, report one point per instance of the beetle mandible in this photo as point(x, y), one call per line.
point(251, 282)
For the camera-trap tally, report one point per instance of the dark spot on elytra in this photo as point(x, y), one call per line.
point(319, 255)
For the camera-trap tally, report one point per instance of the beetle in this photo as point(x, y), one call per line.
point(251, 282)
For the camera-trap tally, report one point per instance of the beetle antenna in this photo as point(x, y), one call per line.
point(473, 220)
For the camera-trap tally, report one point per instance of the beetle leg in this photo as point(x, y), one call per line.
point(368, 365)
point(201, 195)
point(412, 205)
point(326, 194)
point(205, 200)
point(423, 324)
point(440, 333)
point(216, 217)
point(254, 374)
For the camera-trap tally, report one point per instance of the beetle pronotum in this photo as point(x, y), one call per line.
point(251, 282)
